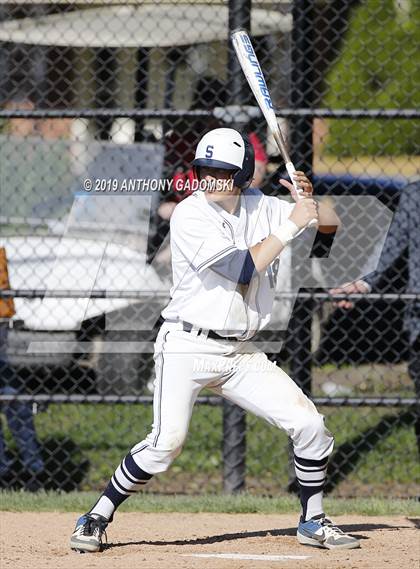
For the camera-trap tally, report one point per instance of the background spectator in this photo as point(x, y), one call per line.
point(19, 415)
point(403, 235)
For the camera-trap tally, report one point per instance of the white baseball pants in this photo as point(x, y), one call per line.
point(186, 363)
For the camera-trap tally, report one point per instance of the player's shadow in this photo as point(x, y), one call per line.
point(349, 528)
point(415, 521)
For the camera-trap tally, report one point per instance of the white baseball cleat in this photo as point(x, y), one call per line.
point(87, 535)
point(320, 532)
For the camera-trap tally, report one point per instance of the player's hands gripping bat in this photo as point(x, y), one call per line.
point(252, 70)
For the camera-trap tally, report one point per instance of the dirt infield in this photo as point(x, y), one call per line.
point(40, 540)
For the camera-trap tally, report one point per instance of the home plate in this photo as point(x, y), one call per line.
point(244, 556)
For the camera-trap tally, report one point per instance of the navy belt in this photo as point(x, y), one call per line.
point(187, 327)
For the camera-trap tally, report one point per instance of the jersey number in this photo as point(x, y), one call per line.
point(209, 151)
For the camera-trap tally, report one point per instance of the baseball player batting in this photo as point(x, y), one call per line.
point(226, 242)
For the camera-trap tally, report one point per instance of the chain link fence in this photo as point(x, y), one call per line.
point(102, 105)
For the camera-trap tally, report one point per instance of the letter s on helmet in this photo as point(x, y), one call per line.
point(228, 149)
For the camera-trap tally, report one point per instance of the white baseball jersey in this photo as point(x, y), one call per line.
point(203, 233)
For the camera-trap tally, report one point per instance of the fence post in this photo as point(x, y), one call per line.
point(140, 95)
point(234, 419)
point(302, 95)
point(302, 91)
point(234, 448)
point(104, 69)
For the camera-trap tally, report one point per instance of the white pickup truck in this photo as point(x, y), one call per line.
point(100, 335)
point(74, 343)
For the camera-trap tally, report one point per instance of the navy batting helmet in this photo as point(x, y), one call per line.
point(228, 149)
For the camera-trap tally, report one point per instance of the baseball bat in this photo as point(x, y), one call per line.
point(255, 77)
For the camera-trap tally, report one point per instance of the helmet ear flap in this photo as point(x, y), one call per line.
point(243, 177)
point(196, 172)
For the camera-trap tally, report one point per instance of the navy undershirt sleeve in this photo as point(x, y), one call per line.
point(238, 266)
point(247, 269)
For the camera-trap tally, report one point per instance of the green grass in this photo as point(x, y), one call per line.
point(103, 434)
point(244, 503)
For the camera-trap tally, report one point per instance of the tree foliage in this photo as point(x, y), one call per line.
point(379, 68)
